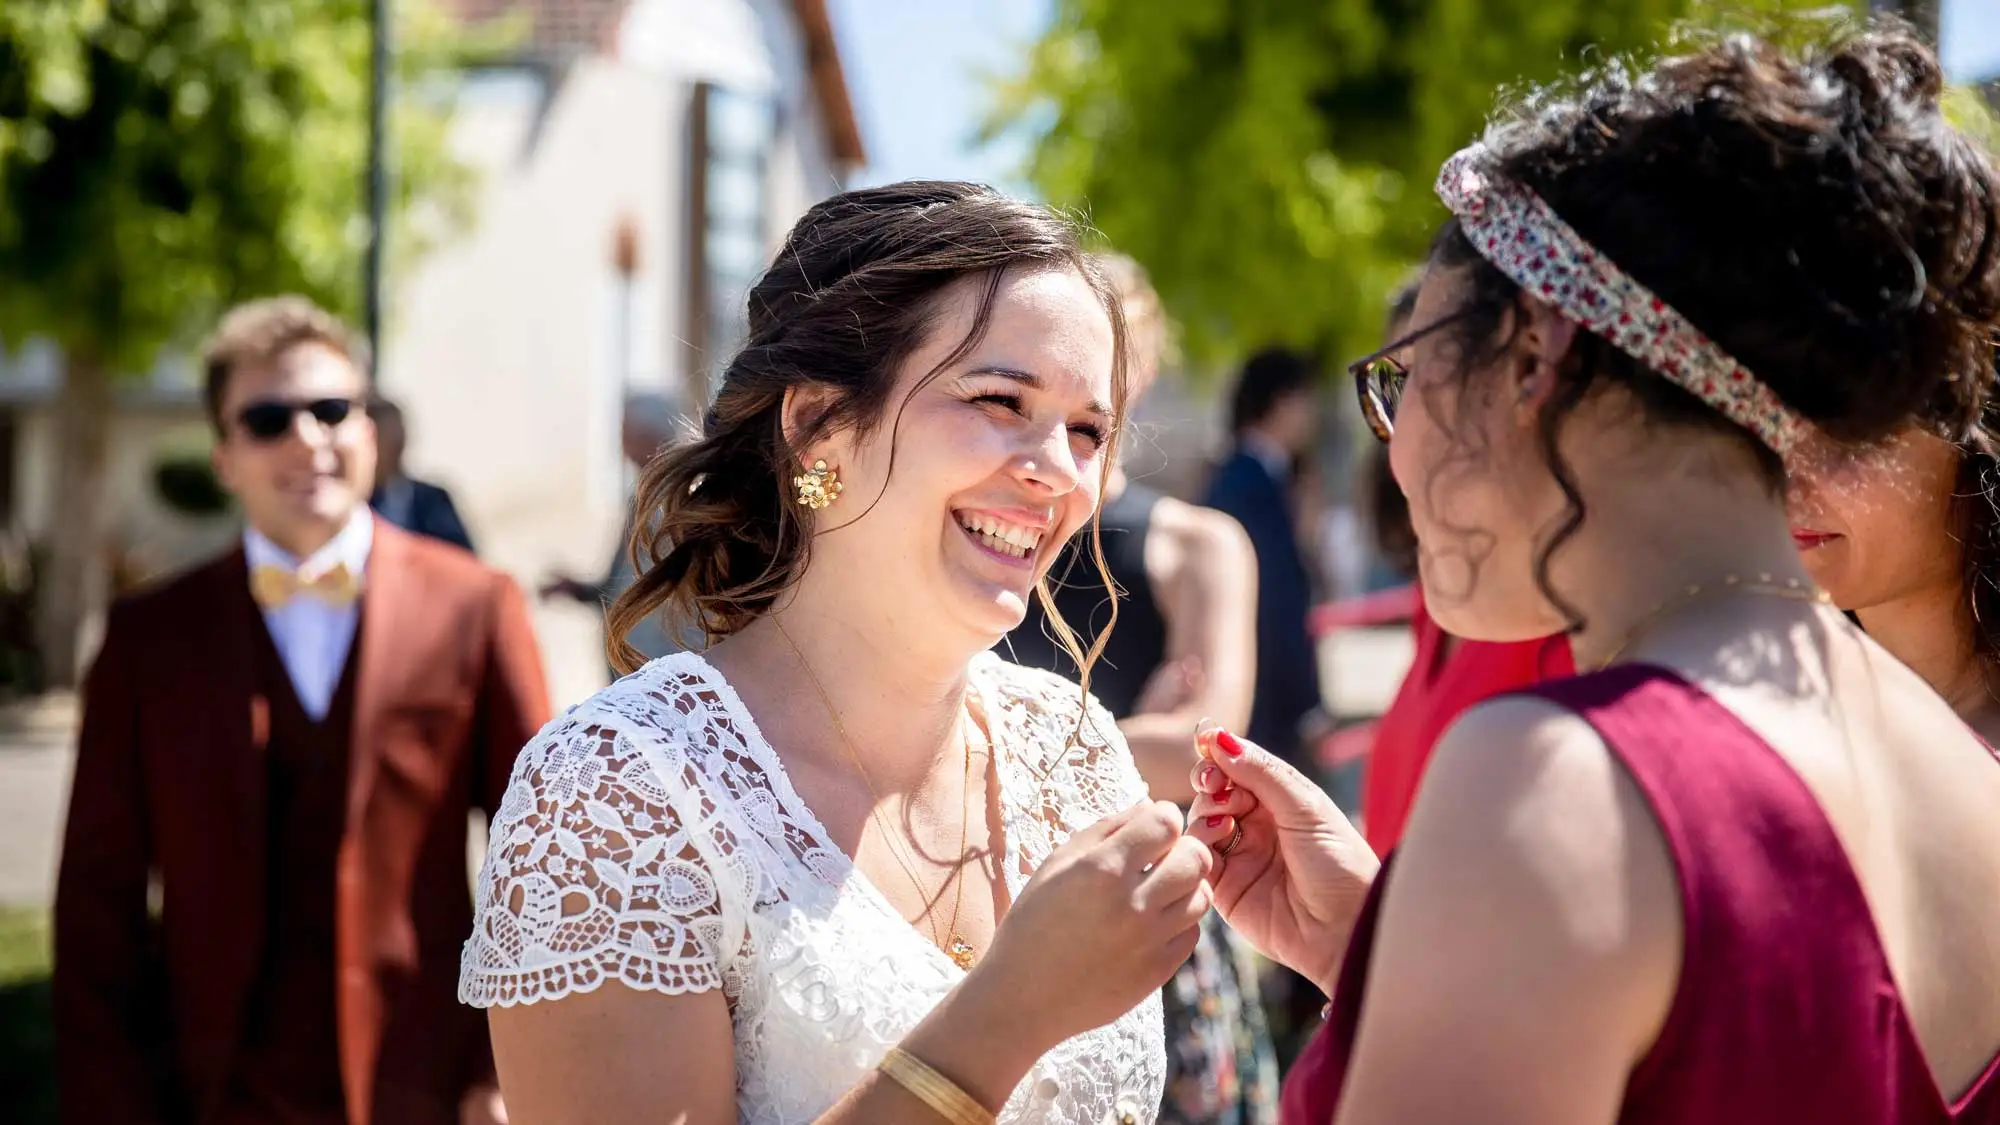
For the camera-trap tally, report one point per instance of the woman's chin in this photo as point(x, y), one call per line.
point(1832, 580)
point(994, 612)
point(1007, 610)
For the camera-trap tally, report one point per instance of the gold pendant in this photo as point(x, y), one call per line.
point(960, 952)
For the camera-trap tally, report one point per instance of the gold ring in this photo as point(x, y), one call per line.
point(1229, 845)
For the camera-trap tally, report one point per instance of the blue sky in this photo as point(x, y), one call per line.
point(1971, 36)
point(918, 70)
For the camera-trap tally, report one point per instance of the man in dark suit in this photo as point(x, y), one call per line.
point(263, 889)
point(1274, 419)
point(409, 503)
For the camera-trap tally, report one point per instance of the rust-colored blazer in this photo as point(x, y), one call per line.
point(168, 802)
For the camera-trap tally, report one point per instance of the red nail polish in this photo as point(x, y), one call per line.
point(1229, 744)
point(1217, 821)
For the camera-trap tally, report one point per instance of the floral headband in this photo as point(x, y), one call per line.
point(1525, 239)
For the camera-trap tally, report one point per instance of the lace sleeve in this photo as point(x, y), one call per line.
point(603, 864)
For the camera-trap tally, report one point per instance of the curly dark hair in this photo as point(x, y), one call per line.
point(1975, 520)
point(852, 293)
point(1811, 211)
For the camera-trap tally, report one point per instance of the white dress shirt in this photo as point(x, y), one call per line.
point(311, 636)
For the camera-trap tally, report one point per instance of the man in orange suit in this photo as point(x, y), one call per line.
point(263, 887)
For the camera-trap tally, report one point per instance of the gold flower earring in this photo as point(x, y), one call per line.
point(819, 487)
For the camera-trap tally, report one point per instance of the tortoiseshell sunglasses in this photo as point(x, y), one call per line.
point(1379, 378)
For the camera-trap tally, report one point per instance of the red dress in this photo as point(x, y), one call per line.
point(1786, 1012)
point(1442, 682)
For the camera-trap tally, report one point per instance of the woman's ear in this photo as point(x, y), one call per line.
point(803, 412)
point(1545, 340)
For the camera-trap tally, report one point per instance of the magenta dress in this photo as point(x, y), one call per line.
point(1786, 1012)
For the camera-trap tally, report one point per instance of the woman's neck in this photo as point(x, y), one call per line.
point(1648, 539)
point(1930, 631)
point(895, 707)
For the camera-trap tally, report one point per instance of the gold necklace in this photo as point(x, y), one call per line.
point(1729, 584)
point(958, 949)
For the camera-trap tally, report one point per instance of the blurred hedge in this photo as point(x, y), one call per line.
point(27, 1031)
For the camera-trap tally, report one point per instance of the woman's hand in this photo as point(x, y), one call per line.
point(1293, 883)
point(1105, 921)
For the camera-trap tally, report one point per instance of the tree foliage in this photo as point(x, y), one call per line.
point(161, 159)
point(1270, 161)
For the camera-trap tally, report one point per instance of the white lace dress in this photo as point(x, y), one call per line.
point(651, 837)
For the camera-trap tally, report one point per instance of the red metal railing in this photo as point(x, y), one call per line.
point(1394, 606)
point(1381, 609)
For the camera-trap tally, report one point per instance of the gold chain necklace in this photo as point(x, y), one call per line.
point(958, 949)
point(1765, 586)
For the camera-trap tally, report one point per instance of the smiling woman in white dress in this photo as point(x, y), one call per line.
point(847, 866)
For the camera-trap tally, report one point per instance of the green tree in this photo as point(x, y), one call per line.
point(1270, 161)
point(163, 159)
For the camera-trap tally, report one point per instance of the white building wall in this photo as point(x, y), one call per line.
point(803, 169)
point(503, 347)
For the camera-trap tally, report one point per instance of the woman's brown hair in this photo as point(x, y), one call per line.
point(850, 296)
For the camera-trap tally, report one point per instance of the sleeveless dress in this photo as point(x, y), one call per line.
point(1222, 1068)
point(652, 838)
point(1786, 1013)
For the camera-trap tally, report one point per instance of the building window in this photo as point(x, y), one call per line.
point(731, 134)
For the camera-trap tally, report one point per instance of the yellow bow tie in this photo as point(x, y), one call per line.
point(273, 586)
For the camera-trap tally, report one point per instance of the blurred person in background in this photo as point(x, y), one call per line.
point(645, 428)
point(1447, 674)
point(1311, 517)
point(1274, 418)
point(1905, 535)
point(1185, 647)
point(263, 872)
point(1387, 515)
point(411, 504)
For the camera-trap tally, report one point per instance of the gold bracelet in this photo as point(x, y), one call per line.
point(944, 1096)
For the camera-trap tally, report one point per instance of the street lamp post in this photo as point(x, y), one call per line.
point(378, 177)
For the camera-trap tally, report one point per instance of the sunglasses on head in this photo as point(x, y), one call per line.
point(271, 419)
point(1379, 378)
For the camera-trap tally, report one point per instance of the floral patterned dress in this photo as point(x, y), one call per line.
point(1221, 1069)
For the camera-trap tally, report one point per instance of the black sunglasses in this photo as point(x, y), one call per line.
point(1379, 378)
point(271, 419)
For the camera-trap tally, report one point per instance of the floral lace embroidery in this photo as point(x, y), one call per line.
point(650, 836)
